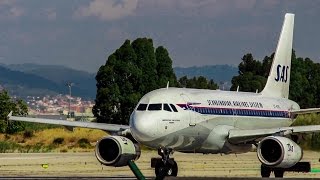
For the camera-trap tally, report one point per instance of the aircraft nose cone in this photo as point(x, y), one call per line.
point(142, 126)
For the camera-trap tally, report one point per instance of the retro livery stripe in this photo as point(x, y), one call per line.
point(234, 111)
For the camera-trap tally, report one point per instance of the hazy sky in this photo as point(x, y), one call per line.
point(82, 33)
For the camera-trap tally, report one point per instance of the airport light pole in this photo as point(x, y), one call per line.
point(69, 84)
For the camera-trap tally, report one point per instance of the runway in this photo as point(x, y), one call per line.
point(85, 166)
point(67, 177)
point(133, 178)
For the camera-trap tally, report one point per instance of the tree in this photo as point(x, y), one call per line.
point(164, 68)
point(146, 61)
point(251, 74)
point(198, 83)
point(304, 78)
point(130, 72)
point(18, 107)
point(305, 85)
point(248, 82)
point(249, 64)
point(117, 86)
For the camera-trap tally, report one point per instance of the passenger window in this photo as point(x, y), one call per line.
point(154, 107)
point(142, 107)
point(173, 108)
point(166, 107)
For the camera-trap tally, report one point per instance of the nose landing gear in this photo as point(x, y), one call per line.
point(165, 166)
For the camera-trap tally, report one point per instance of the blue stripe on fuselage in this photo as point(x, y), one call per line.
point(236, 112)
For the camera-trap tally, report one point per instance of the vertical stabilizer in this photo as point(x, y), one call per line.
point(279, 76)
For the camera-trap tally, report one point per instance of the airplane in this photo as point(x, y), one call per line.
point(210, 121)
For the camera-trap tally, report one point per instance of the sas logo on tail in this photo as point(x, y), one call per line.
point(282, 73)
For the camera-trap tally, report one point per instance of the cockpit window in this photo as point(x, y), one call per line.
point(173, 108)
point(154, 107)
point(142, 107)
point(166, 107)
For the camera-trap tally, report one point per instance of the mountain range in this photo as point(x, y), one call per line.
point(37, 80)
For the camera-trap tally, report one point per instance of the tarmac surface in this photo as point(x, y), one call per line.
point(132, 178)
point(86, 166)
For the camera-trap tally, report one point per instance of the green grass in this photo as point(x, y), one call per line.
point(38, 126)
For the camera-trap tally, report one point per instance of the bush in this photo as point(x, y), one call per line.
point(37, 147)
point(38, 127)
point(48, 148)
point(84, 143)
point(8, 146)
point(58, 141)
point(28, 134)
point(64, 150)
point(310, 141)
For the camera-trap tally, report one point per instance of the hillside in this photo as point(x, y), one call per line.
point(37, 80)
point(19, 82)
point(221, 74)
point(84, 82)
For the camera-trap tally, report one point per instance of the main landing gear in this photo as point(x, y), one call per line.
point(266, 171)
point(304, 167)
point(164, 166)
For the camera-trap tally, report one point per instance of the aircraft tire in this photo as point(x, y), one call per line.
point(265, 171)
point(162, 170)
point(174, 169)
point(278, 173)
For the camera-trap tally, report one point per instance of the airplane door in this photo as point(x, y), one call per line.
point(191, 116)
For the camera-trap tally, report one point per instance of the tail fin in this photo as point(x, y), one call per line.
point(279, 76)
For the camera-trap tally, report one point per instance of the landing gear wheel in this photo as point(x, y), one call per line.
point(265, 171)
point(278, 173)
point(169, 169)
point(174, 169)
point(159, 169)
point(166, 166)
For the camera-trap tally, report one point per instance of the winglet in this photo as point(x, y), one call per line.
point(9, 115)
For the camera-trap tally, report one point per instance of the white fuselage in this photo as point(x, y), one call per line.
point(204, 118)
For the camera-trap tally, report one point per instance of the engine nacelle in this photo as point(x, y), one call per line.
point(277, 151)
point(116, 151)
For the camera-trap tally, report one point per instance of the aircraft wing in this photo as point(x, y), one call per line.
point(238, 136)
point(305, 111)
point(92, 125)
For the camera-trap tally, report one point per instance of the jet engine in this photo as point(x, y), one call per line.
point(277, 151)
point(116, 151)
